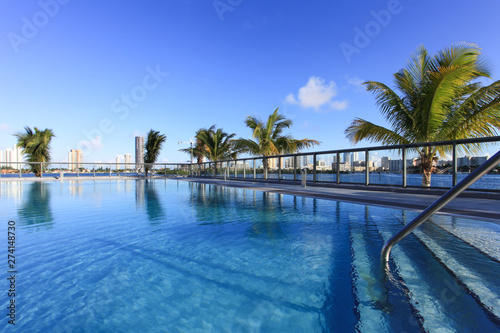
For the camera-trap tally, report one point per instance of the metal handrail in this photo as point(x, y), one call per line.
point(438, 204)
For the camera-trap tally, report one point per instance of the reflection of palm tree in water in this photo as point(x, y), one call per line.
point(36, 207)
point(267, 222)
point(154, 208)
point(210, 202)
point(219, 205)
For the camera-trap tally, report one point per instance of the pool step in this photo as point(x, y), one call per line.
point(432, 290)
point(379, 308)
point(483, 235)
point(474, 269)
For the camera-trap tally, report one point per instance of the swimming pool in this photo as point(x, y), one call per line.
point(175, 256)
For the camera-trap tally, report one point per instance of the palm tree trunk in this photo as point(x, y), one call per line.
point(426, 159)
point(36, 168)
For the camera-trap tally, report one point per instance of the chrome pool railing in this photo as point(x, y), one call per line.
point(437, 205)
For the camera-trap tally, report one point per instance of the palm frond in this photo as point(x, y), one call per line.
point(361, 129)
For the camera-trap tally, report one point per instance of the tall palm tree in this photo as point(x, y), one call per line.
point(152, 147)
point(35, 145)
point(213, 144)
point(440, 99)
point(269, 138)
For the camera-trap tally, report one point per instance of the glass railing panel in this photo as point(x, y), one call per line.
point(352, 167)
point(272, 167)
point(11, 169)
point(242, 168)
point(326, 168)
point(413, 169)
point(259, 168)
point(386, 168)
point(231, 169)
point(287, 168)
point(469, 159)
point(305, 162)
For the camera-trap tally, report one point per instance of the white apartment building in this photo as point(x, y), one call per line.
point(127, 159)
point(11, 157)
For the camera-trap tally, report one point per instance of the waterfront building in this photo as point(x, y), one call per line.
point(396, 165)
point(75, 158)
point(355, 157)
point(272, 162)
point(127, 159)
point(347, 158)
point(478, 160)
point(289, 163)
point(139, 152)
point(11, 157)
point(385, 163)
point(463, 161)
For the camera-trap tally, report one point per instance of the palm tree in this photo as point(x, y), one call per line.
point(198, 149)
point(213, 144)
point(36, 145)
point(152, 149)
point(269, 140)
point(440, 99)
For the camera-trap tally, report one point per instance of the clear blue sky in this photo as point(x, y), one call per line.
point(70, 65)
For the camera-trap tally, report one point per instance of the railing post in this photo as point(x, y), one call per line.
point(279, 168)
point(254, 170)
point(338, 168)
point(20, 169)
point(235, 169)
point(265, 161)
point(94, 170)
point(60, 170)
point(314, 168)
point(454, 165)
point(77, 171)
point(367, 167)
point(109, 169)
point(404, 166)
point(294, 168)
point(41, 169)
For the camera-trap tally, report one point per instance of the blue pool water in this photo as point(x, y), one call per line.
point(174, 256)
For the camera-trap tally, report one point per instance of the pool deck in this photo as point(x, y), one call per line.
point(475, 205)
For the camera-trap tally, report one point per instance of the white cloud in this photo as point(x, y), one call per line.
point(315, 94)
point(339, 105)
point(355, 81)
